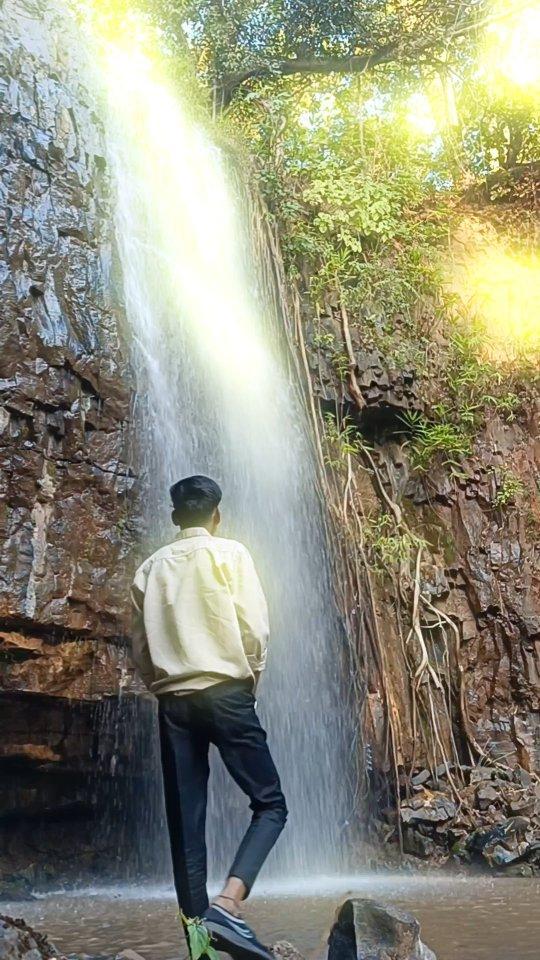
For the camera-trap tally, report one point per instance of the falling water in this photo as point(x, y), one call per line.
point(214, 397)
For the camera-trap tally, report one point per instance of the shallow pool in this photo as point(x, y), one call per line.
point(461, 919)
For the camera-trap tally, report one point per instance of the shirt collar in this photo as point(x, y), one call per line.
point(193, 532)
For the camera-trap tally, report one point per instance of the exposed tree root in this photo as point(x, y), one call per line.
point(436, 680)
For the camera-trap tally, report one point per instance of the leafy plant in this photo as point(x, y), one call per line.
point(324, 340)
point(199, 939)
point(389, 547)
point(429, 440)
point(507, 405)
point(341, 365)
point(343, 440)
point(510, 489)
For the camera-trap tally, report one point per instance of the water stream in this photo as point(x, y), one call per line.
point(215, 396)
point(461, 919)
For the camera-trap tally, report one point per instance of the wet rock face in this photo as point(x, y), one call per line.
point(387, 392)
point(65, 385)
point(67, 492)
point(479, 579)
point(481, 571)
point(73, 773)
point(494, 592)
point(367, 930)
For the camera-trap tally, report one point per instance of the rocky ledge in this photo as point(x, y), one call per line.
point(487, 817)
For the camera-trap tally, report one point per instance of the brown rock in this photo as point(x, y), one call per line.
point(67, 489)
point(284, 950)
point(29, 751)
point(65, 387)
point(367, 930)
point(18, 941)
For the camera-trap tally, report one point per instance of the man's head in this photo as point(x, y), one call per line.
point(196, 503)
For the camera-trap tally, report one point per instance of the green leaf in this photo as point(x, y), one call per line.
point(199, 939)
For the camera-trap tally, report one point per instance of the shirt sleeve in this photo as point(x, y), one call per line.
point(140, 652)
point(251, 610)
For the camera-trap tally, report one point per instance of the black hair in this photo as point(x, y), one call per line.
point(194, 500)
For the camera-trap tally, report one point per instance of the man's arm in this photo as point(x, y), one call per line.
point(252, 612)
point(139, 644)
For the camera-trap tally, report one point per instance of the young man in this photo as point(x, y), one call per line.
point(199, 643)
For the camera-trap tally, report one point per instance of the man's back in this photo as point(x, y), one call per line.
point(200, 614)
point(200, 630)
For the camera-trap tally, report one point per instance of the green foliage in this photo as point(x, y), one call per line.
point(199, 939)
point(364, 196)
point(473, 385)
point(498, 132)
point(343, 440)
point(510, 489)
point(428, 440)
point(388, 546)
point(341, 364)
point(324, 340)
point(348, 186)
point(237, 35)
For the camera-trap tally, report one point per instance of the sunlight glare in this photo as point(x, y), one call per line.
point(511, 58)
point(194, 226)
point(420, 115)
point(501, 290)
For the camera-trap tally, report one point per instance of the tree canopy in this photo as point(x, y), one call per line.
point(372, 127)
point(237, 41)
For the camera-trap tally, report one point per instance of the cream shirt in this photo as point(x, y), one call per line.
point(200, 615)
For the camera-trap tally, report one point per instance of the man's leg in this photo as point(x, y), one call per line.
point(241, 741)
point(184, 760)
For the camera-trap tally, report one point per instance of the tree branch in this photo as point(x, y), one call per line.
point(387, 53)
point(312, 65)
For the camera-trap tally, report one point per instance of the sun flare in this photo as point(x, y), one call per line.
point(500, 290)
point(180, 178)
point(511, 57)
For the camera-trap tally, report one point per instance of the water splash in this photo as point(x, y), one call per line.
point(214, 397)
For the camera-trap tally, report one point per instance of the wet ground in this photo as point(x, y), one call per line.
point(461, 919)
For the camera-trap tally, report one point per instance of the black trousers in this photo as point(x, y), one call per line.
point(224, 715)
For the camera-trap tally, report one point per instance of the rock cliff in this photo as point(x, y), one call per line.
point(67, 490)
point(445, 617)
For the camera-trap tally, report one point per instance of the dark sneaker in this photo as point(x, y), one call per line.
point(233, 936)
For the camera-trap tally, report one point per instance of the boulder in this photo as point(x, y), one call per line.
point(418, 845)
point(19, 942)
point(429, 808)
point(367, 930)
point(283, 950)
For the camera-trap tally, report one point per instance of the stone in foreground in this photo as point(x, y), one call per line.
point(367, 930)
point(283, 950)
point(19, 942)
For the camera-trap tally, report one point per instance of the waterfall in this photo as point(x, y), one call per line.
point(215, 395)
